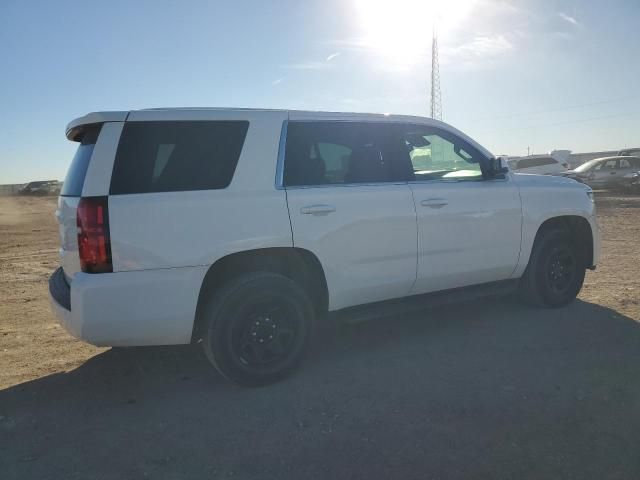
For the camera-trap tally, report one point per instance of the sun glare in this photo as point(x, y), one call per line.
point(401, 30)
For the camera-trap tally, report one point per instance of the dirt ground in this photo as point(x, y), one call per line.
point(490, 390)
point(32, 344)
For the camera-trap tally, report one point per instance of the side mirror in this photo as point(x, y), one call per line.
point(499, 167)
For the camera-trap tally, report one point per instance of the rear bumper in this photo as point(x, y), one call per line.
point(149, 307)
point(59, 289)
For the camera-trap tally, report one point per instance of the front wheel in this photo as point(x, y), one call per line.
point(257, 328)
point(555, 272)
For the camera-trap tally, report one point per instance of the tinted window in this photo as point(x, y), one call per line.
point(439, 155)
point(322, 153)
point(630, 162)
point(607, 165)
point(74, 181)
point(634, 161)
point(177, 156)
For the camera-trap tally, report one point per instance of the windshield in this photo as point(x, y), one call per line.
point(587, 166)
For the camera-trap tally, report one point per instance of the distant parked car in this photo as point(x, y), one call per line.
point(629, 152)
point(45, 187)
point(538, 164)
point(607, 172)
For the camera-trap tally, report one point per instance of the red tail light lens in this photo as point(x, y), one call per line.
point(94, 244)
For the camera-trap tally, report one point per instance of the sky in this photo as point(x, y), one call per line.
point(515, 75)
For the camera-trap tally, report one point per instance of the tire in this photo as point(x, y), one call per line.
point(556, 270)
point(257, 328)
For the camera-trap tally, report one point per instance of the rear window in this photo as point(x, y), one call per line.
point(177, 156)
point(74, 181)
point(536, 162)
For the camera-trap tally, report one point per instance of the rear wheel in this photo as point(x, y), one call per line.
point(555, 272)
point(257, 328)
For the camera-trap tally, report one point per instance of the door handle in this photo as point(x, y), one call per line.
point(317, 209)
point(434, 202)
point(612, 173)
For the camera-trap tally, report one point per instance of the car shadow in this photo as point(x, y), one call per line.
point(489, 389)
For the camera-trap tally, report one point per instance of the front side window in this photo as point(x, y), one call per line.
point(177, 156)
point(439, 155)
point(328, 153)
point(608, 165)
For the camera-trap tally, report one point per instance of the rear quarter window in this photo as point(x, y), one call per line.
point(177, 156)
point(74, 181)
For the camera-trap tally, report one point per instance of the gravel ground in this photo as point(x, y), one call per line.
point(489, 390)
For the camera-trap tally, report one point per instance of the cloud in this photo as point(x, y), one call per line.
point(277, 81)
point(314, 64)
point(479, 47)
point(311, 65)
point(568, 18)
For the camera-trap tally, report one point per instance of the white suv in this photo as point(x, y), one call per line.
point(239, 228)
point(539, 165)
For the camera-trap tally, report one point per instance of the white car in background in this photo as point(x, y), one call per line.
point(629, 152)
point(539, 165)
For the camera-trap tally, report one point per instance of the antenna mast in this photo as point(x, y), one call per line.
point(436, 96)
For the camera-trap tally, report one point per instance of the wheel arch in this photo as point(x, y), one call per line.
point(578, 227)
point(298, 264)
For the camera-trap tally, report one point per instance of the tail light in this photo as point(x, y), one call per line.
point(94, 244)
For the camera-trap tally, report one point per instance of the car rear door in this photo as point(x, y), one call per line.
point(349, 207)
point(469, 227)
point(627, 166)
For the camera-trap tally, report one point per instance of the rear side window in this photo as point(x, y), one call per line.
point(74, 181)
point(630, 162)
point(326, 153)
point(177, 156)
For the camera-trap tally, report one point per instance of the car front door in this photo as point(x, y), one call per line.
point(605, 173)
point(349, 208)
point(469, 227)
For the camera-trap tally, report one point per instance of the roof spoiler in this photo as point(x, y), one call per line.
point(76, 127)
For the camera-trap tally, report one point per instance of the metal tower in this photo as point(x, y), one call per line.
point(436, 97)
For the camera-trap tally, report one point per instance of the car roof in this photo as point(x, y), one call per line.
point(616, 157)
point(183, 113)
point(122, 115)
